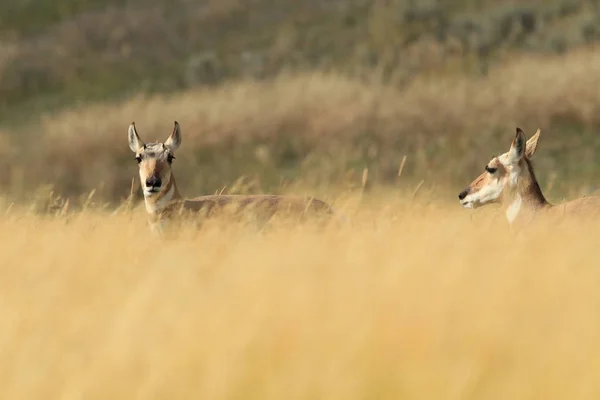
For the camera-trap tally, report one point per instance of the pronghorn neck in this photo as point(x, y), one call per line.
point(525, 196)
point(157, 203)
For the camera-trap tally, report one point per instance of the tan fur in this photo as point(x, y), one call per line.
point(510, 180)
point(165, 202)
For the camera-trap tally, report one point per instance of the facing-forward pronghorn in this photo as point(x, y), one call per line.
point(509, 179)
point(163, 200)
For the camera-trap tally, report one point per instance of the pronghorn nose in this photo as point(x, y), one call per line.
point(463, 194)
point(153, 182)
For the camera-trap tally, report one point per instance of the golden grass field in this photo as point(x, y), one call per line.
point(418, 299)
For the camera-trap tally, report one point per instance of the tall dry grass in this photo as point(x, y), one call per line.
point(418, 300)
point(324, 129)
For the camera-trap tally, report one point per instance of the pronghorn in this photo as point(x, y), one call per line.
point(163, 200)
point(509, 179)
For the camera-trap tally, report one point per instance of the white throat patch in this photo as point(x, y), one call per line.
point(513, 209)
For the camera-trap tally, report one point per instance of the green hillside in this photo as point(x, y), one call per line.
point(59, 52)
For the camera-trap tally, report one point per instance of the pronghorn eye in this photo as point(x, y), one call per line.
point(138, 159)
point(491, 170)
point(170, 158)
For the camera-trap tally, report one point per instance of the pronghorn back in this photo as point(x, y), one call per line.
point(270, 203)
point(266, 205)
point(583, 207)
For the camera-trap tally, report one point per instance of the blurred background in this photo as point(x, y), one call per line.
point(273, 93)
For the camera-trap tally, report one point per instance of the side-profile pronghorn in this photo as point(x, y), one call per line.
point(509, 179)
point(163, 200)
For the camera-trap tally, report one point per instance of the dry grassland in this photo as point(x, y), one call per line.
point(324, 128)
point(416, 300)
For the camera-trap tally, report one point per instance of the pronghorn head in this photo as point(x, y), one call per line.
point(154, 160)
point(501, 173)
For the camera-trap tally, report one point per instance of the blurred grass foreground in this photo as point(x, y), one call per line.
point(387, 109)
point(413, 302)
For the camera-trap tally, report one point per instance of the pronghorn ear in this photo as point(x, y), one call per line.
point(517, 148)
point(532, 144)
point(135, 143)
point(174, 140)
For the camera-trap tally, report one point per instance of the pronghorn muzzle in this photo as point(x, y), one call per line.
point(153, 183)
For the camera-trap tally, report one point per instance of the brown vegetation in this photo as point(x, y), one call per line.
point(416, 299)
point(325, 129)
point(59, 52)
point(413, 302)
